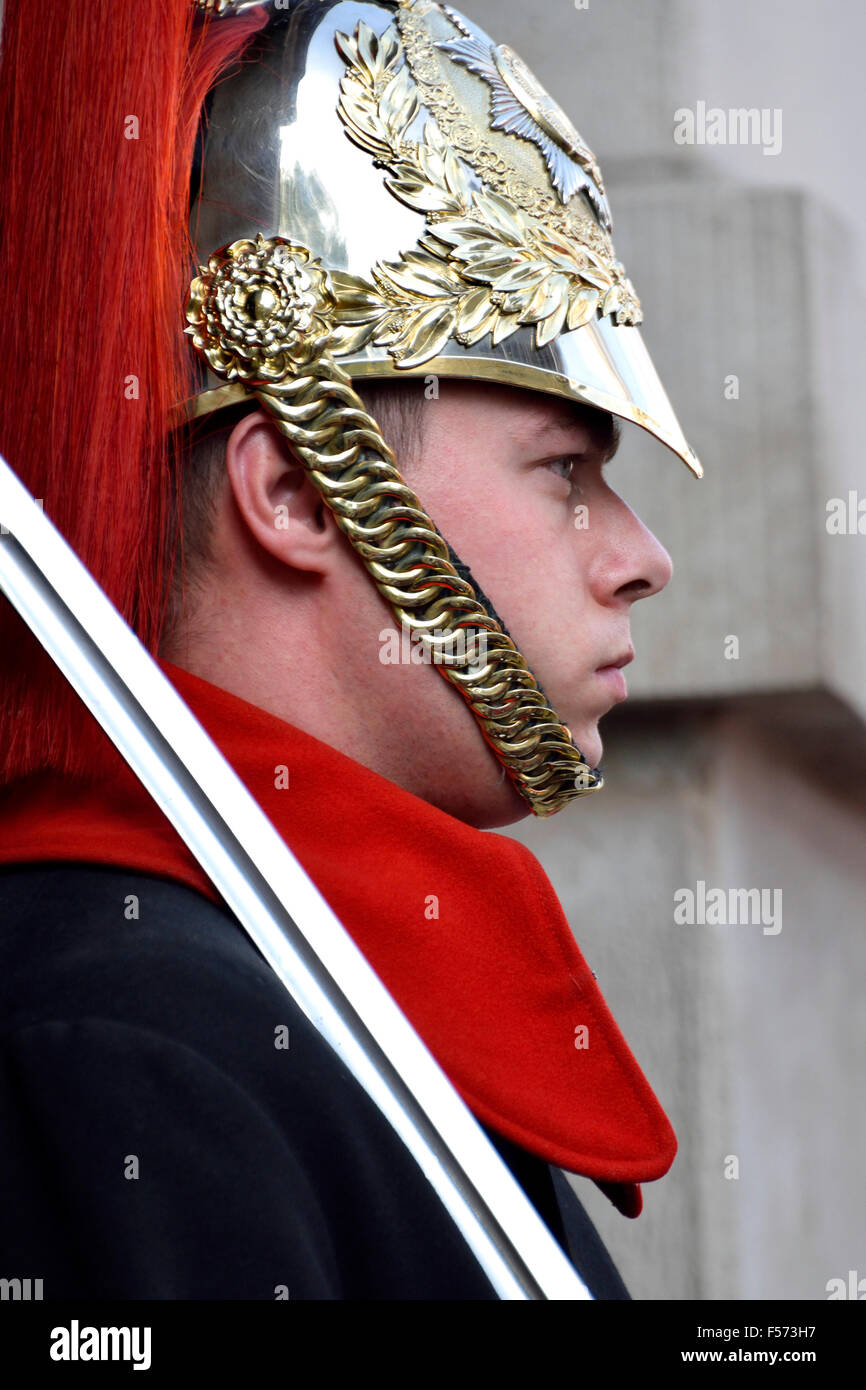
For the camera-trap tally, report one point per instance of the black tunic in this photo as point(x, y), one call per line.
point(155, 1142)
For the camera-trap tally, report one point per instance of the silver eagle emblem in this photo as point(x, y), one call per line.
point(520, 106)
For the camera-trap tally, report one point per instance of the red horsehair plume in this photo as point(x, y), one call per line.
point(100, 109)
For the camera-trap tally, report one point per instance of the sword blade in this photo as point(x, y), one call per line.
point(274, 900)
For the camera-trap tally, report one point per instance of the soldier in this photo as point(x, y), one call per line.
point(407, 305)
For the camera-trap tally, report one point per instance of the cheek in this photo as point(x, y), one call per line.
point(533, 565)
point(543, 596)
point(548, 556)
point(521, 544)
point(487, 524)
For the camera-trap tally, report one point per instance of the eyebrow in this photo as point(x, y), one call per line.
point(603, 428)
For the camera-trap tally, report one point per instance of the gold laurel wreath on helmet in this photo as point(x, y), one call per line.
point(485, 265)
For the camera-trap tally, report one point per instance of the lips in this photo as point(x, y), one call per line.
point(611, 674)
point(617, 662)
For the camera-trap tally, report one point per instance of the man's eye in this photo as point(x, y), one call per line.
point(564, 466)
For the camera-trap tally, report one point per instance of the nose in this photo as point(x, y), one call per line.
point(631, 563)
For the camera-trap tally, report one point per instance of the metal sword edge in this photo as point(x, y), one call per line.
point(254, 870)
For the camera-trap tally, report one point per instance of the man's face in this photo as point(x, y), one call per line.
point(514, 480)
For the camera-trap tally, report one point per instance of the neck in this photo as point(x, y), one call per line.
point(403, 721)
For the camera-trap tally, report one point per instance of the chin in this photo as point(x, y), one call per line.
point(590, 744)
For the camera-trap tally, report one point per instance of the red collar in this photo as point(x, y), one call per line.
point(462, 925)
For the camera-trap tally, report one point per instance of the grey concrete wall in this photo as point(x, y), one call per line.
point(751, 1038)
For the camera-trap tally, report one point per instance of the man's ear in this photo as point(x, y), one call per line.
point(281, 509)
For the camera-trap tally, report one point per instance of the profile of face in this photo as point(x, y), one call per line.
point(515, 481)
